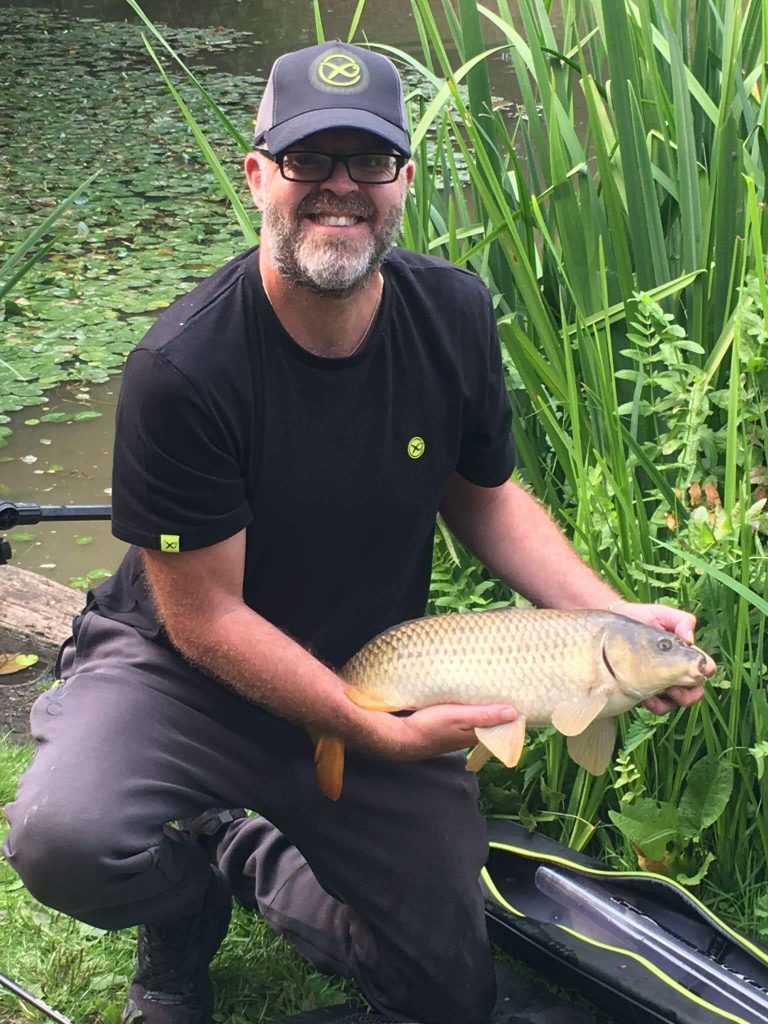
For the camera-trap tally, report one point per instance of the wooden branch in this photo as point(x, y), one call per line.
point(35, 607)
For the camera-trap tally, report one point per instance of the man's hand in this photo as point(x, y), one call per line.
point(682, 624)
point(438, 729)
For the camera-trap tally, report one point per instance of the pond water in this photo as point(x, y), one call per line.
point(136, 260)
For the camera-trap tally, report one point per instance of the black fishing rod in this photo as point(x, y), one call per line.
point(23, 513)
point(39, 1004)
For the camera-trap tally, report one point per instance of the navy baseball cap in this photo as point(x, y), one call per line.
point(333, 85)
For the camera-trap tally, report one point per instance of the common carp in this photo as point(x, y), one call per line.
point(575, 670)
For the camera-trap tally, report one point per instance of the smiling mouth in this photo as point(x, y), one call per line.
point(335, 220)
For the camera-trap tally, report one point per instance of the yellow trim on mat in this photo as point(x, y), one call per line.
point(618, 875)
point(649, 965)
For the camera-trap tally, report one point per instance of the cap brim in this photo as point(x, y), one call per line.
point(299, 127)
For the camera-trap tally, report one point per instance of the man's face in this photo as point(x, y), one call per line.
point(330, 236)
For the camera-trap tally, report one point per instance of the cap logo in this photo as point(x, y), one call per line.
point(339, 70)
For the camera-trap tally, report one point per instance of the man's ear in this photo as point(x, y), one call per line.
point(409, 171)
point(255, 172)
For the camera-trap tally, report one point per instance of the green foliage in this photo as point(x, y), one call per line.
point(625, 256)
point(669, 838)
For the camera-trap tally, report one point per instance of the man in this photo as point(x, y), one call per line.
point(286, 434)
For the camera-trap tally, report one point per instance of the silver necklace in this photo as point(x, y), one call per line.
point(368, 326)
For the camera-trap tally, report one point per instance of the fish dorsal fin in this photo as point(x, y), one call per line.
point(478, 757)
point(593, 748)
point(504, 741)
point(369, 702)
point(573, 716)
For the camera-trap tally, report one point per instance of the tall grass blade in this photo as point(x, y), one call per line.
point(221, 176)
point(319, 30)
point(353, 25)
point(229, 127)
point(14, 267)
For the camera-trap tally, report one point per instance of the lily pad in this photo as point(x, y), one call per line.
point(149, 227)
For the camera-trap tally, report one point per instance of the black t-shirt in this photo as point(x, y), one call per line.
point(335, 467)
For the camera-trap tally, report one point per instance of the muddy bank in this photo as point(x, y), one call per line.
point(35, 617)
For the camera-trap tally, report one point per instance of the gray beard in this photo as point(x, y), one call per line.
point(330, 268)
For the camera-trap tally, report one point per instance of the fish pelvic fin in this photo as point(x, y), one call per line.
point(329, 765)
point(368, 701)
point(593, 748)
point(477, 758)
point(573, 716)
point(504, 741)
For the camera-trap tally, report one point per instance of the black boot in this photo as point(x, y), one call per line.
point(171, 984)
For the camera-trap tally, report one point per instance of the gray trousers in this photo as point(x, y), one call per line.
point(380, 887)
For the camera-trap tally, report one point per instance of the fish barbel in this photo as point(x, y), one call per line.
point(575, 670)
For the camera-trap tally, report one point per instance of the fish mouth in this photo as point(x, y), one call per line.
point(702, 664)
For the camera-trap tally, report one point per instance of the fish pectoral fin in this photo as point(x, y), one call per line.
point(369, 702)
point(477, 758)
point(573, 716)
point(504, 741)
point(329, 765)
point(593, 748)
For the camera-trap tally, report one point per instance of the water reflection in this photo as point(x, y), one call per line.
point(279, 25)
point(63, 464)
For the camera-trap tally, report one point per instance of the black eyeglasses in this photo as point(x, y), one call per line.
point(363, 168)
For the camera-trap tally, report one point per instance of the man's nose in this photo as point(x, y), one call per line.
point(340, 181)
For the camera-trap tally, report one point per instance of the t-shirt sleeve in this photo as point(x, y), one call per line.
point(487, 455)
point(176, 481)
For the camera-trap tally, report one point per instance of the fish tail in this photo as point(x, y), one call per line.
point(329, 765)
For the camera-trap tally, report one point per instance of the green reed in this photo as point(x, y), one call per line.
point(620, 223)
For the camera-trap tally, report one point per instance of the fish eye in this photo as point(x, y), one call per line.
point(665, 644)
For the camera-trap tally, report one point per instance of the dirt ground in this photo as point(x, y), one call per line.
point(18, 691)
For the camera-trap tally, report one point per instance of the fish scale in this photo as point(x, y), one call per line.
point(482, 657)
point(576, 670)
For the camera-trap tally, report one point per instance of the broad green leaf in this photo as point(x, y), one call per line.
point(650, 825)
point(700, 875)
point(706, 796)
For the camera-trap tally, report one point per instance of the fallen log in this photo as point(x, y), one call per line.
point(35, 607)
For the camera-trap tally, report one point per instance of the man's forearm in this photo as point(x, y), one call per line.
point(265, 666)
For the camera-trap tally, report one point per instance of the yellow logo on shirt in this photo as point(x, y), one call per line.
point(170, 542)
point(416, 447)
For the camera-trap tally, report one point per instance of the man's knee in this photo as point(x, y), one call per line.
point(67, 860)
